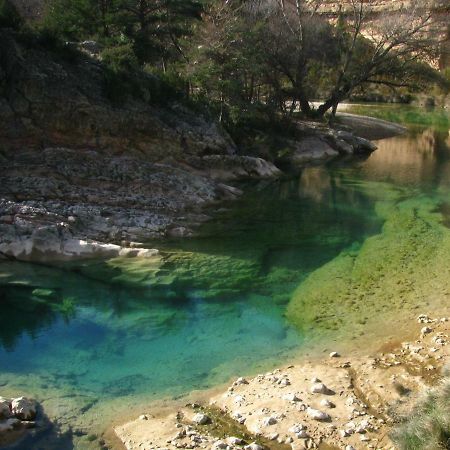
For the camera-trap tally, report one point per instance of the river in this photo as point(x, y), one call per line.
point(316, 261)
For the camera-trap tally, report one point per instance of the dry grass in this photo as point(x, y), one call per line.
point(428, 427)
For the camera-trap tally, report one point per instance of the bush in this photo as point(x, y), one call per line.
point(428, 428)
point(9, 16)
point(120, 58)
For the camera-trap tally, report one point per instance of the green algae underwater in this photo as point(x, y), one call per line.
point(337, 257)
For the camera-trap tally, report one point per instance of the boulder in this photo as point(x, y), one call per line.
point(311, 149)
point(201, 419)
point(360, 145)
point(23, 408)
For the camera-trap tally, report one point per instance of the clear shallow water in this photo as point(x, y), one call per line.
point(214, 307)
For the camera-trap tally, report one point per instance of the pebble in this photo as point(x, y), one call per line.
point(240, 381)
point(320, 388)
point(325, 402)
point(269, 421)
point(291, 398)
point(318, 415)
point(253, 446)
point(297, 428)
point(334, 355)
point(303, 434)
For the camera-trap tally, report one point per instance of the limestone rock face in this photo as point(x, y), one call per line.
point(48, 100)
point(311, 149)
point(61, 202)
point(234, 167)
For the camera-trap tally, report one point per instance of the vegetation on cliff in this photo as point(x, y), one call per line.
point(250, 64)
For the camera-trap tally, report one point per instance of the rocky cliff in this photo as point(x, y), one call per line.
point(76, 166)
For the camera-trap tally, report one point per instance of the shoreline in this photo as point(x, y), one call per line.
point(391, 358)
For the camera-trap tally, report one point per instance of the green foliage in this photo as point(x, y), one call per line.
point(429, 426)
point(154, 28)
point(120, 58)
point(9, 16)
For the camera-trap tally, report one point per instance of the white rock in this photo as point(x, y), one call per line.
point(219, 445)
point(23, 408)
point(269, 421)
point(349, 447)
point(317, 415)
point(239, 381)
point(291, 398)
point(297, 428)
point(201, 419)
point(253, 446)
point(233, 440)
point(303, 434)
point(425, 330)
point(334, 355)
point(319, 388)
point(325, 402)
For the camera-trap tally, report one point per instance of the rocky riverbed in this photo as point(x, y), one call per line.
point(339, 402)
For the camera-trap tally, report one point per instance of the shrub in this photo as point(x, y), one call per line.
point(428, 428)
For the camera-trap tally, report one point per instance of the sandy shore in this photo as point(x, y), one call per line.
point(339, 402)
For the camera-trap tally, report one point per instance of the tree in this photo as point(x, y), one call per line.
point(388, 50)
point(313, 56)
point(153, 27)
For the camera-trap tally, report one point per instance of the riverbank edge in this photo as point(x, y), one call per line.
point(342, 400)
point(38, 230)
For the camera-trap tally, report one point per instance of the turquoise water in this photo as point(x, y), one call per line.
point(81, 337)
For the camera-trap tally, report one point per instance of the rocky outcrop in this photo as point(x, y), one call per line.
point(17, 415)
point(54, 200)
point(234, 167)
point(82, 175)
point(46, 100)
